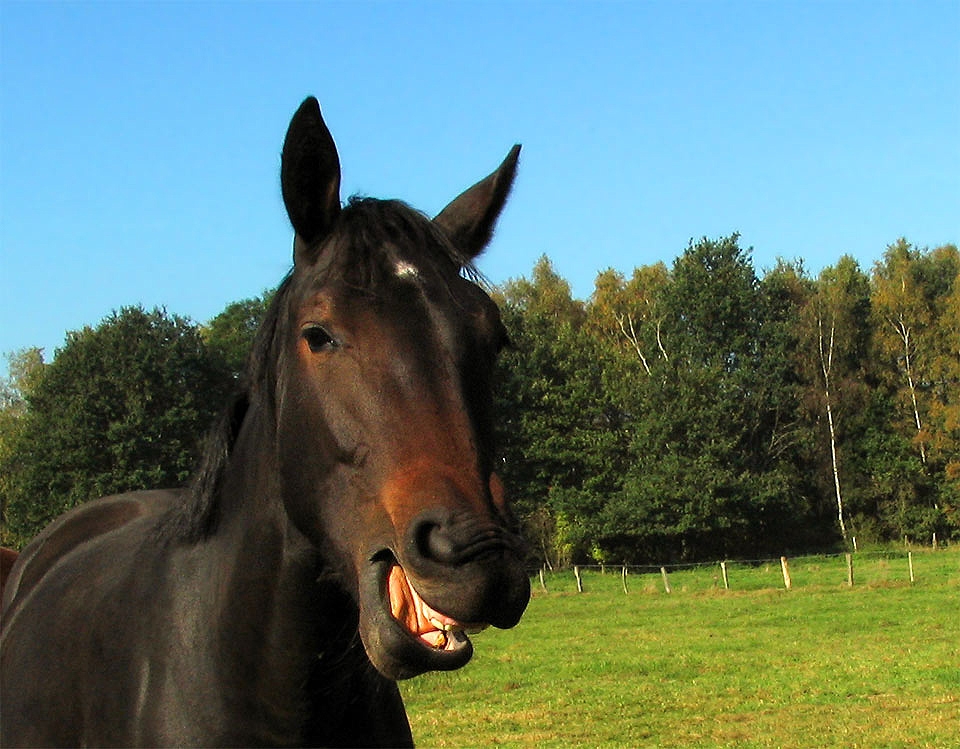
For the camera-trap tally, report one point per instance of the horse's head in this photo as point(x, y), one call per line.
point(383, 407)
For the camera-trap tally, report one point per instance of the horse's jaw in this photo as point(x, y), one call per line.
point(402, 634)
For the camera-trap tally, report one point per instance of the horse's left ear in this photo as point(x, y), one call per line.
point(469, 219)
point(310, 179)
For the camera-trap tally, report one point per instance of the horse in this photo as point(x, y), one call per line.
point(7, 558)
point(345, 528)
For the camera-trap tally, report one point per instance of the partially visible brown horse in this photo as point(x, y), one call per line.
point(346, 529)
point(7, 558)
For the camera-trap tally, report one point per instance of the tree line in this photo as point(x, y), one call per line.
point(698, 411)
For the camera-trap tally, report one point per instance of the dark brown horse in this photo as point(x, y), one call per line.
point(7, 558)
point(345, 530)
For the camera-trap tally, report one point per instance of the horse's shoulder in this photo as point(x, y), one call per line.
point(81, 527)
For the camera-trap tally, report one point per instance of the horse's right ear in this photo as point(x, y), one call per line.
point(310, 179)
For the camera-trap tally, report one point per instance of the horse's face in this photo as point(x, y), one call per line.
point(384, 409)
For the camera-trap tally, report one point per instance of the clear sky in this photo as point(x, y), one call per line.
point(139, 142)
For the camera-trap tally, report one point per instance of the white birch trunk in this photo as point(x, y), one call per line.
point(904, 332)
point(660, 343)
point(631, 336)
point(630, 333)
point(826, 365)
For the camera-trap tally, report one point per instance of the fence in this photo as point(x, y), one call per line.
point(858, 568)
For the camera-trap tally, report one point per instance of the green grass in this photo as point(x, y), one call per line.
point(820, 665)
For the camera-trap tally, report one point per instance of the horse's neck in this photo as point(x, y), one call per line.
point(292, 629)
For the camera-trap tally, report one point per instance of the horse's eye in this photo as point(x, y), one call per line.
point(318, 339)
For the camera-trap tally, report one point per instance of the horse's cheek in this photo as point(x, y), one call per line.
point(305, 474)
point(318, 482)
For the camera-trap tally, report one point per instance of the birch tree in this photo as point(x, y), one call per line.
point(631, 313)
point(835, 342)
point(945, 408)
point(702, 479)
point(904, 318)
point(917, 335)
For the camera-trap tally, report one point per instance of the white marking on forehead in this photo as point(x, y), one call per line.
point(403, 269)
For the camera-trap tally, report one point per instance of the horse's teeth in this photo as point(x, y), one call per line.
point(470, 629)
point(442, 626)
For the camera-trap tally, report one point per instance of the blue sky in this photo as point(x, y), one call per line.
point(139, 142)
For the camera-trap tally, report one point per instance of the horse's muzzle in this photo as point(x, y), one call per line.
point(468, 566)
point(454, 574)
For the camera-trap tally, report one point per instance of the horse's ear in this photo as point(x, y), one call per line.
point(310, 178)
point(469, 219)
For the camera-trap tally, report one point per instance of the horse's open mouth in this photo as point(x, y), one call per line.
point(431, 627)
point(403, 635)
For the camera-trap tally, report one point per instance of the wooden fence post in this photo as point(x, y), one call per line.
point(786, 572)
point(624, 578)
point(910, 562)
point(723, 571)
point(543, 583)
point(850, 570)
point(666, 582)
point(576, 573)
point(934, 541)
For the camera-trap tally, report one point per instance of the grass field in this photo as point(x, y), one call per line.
point(824, 664)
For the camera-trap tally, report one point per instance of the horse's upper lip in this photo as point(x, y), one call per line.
point(420, 619)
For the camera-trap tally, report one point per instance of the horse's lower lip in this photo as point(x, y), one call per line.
point(395, 650)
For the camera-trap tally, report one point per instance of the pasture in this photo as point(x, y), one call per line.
point(822, 664)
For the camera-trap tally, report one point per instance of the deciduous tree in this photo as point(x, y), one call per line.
point(835, 337)
point(25, 367)
point(230, 334)
point(122, 406)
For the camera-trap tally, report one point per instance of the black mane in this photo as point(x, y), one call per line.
point(365, 229)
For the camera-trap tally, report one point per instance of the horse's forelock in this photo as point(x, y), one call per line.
point(367, 227)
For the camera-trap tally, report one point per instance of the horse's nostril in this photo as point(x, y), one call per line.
point(453, 539)
point(436, 545)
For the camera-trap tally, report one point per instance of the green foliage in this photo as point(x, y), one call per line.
point(713, 305)
point(708, 471)
point(122, 406)
point(917, 352)
point(25, 367)
point(698, 411)
point(683, 414)
point(557, 431)
point(230, 334)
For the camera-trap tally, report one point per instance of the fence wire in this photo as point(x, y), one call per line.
point(867, 568)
